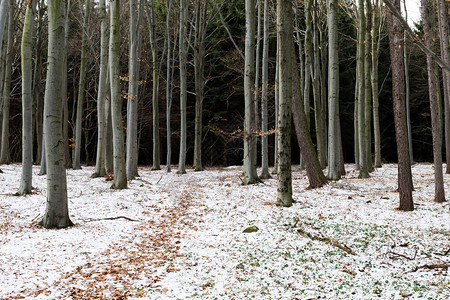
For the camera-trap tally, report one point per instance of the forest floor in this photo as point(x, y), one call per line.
point(172, 236)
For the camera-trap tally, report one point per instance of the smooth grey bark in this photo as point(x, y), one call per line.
point(155, 91)
point(439, 195)
point(109, 159)
point(4, 147)
point(183, 87)
point(377, 27)
point(355, 114)
point(43, 166)
point(27, 101)
point(169, 87)
point(334, 167)
point(200, 28)
point(250, 173)
point(398, 95)
point(4, 8)
point(363, 161)
point(408, 98)
point(67, 160)
point(264, 96)
point(120, 177)
point(81, 89)
point(443, 38)
point(368, 88)
point(319, 113)
point(277, 94)
point(57, 211)
point(284, 178)
point(101, 95)
point(133, 90)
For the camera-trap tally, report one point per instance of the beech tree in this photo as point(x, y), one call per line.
point(101, 95)
point(56, 212)
point(250, 174)
point(120, 177)
point(439, 195)
point(27, 100)
point(284, 30)
point(398, 87)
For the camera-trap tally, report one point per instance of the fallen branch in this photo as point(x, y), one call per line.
point(432, 267)
point(112, 218)
point(327, 240)
point(443, 254)
point(402, 255)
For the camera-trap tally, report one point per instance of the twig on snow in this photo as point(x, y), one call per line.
point(160, 179)
point(402, 255)
point(432, 267)
point(443, 254)
point(112, 218)
point(327, 240)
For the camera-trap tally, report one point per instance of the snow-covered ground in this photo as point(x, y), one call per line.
point(172, 236)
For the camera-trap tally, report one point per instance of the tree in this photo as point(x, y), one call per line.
point(5, 103)
point(101, 96)
point(264, 96)
point(4, 8)
point(57, 211)
point(81, 89)
point(250, 173)
point(169, 86)
point(333, 94)
point(183, 87)
point(120, 177)
point(133, 89)
point(27, 101)
point(439, 195)
point(443, 38)
point(398, 87)
point(284, 29)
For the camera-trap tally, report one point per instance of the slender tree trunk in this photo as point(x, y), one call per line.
point(264, 96)
point(398, 87)
point(355, 113)
point(81, 89)
point(368, 89)
point(250, 173)
point(362, 139)
point(334, 167)
point(284, 28)
point(56, 212)
point(168, 88)
point(5, 153)
point(199, 73)
point(312, 166)
point(120, 177)
point(277, 97)
point(101, 95)
point(434, 106)
point(37, 86)
point(183, 88)
point(27, 101)
point(443, 38)
point(109, 159)
point(67, 161)
point(375, 42)
point(133, 88)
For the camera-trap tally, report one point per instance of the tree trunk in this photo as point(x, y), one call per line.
point(133, 88)
point(312, 166)
point(27, 101)
point(264, 96)
point(57, 211)
point(398, 87)
point(67, 161)
point(284, 28)
point(101, 95)
point(375, 42)
point(4, 8)
point(81, 89)
point(443, 37)
point(109, 160)
point(5, 157)
point(250, 173)
point(368, 89)
point(334, 167)
point(434, 106)
point(168, 88)
point(183, 88)
point(363, 162)
point(120, 177)
point(199, 73)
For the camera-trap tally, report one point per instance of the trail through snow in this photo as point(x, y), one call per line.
point(172, 236)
